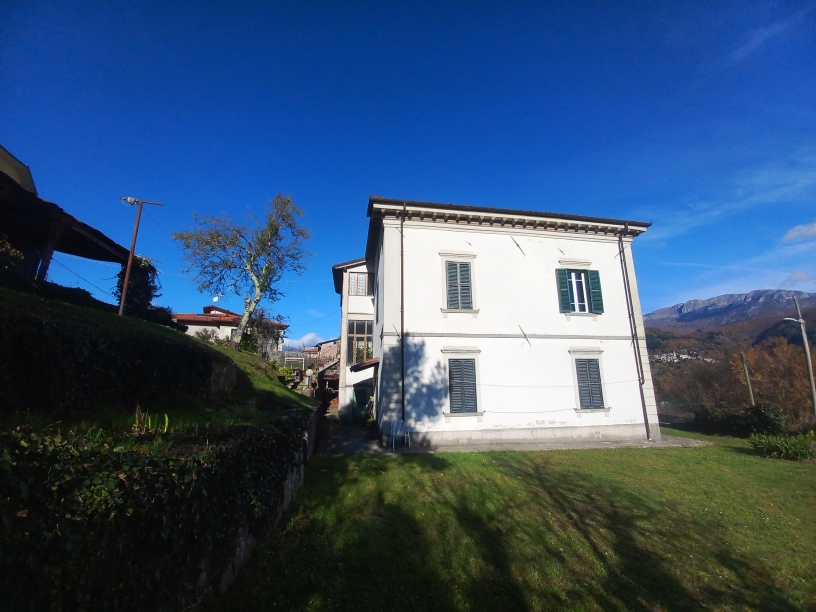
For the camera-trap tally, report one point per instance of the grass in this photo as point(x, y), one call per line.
point(256, 381)
point(76, 315)
point(712, 527)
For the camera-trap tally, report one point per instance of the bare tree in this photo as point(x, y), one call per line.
point(250, 258)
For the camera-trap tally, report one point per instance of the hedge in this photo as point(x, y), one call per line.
point(61, 358)
point(90, 527)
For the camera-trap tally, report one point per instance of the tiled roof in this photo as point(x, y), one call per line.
point(224, 317)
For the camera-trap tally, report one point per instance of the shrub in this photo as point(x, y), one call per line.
point(742, 421)
point(207, 335)
point(249, 343)
point(764, 418)
point(88, 526)
point(784, 447)
point(143, 286)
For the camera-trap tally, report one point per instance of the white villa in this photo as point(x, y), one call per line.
point(221, 322)
point(478, 324)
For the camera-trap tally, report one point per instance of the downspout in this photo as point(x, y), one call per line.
point(633, 328)
point(402, 306)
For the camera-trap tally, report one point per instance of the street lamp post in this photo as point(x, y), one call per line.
point(801, 323)
point(130, 202)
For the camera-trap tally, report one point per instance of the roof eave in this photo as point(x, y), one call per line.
point(373, 200)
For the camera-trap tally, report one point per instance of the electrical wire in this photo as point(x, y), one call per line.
point(80, 277)
point(157, 223)
point(315, 321)
point(444, 382)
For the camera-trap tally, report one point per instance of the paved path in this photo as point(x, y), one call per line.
point(338, 438)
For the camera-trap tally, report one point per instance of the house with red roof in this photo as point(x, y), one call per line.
point(223, 322)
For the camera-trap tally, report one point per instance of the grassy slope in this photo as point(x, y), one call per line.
point(654, 529)
point(255, 379)
point(72, 314)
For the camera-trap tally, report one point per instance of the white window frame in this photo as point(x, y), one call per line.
point(462, 352)
point(353, 286)
point(458, 257)
point(575, 289)
point(578, 265)
point(588, 353)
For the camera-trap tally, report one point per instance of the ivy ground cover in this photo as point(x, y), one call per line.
point(715, 528)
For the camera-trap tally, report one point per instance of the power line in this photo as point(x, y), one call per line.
point(315, 321)
point(159, 226)
point(80, 277)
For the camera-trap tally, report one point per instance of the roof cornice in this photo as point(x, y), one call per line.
point(380, 208)
point(421, 210)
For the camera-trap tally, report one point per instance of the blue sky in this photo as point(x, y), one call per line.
point(700, 117)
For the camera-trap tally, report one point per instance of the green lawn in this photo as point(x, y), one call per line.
point(627, 529)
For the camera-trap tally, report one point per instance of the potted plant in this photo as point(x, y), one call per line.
point(284, 374)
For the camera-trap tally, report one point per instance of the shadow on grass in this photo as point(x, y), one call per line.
point(512, 532)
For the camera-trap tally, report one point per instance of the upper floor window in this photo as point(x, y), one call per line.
point(458, 280)
point(359, 284)
point(579, 291)
point(360, 341)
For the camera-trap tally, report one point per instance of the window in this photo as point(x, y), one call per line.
point(233, 333)
point(579, 291)
point(358, 283)
point(458, 280)
point(462, 385)
point(589, 383)
point(360, 341)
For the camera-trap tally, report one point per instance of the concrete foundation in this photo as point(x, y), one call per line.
point(634, 432)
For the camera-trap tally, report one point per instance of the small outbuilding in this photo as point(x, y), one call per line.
point(36, 228)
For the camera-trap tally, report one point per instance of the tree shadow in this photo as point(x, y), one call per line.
point(647, 549)
point(493, 531)
point(426, 389)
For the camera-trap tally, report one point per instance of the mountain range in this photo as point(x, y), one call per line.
point(730, 308)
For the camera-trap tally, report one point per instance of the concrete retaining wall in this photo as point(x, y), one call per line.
point(246, 542)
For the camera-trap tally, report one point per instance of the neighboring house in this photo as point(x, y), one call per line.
point(223, 322)
point(353, 280)
point(511, 325)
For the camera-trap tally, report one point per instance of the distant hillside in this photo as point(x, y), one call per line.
point(726, 309)
point(719, 341)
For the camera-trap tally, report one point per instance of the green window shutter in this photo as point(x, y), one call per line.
point(589, 383)
point(462, 385)
point(563, 290)
point(465, 298)
point(452, 274)
point(469, 385)
point(595, 295)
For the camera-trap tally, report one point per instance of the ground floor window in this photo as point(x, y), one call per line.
point(360, 341)
point(589, 383)
point(462, 385)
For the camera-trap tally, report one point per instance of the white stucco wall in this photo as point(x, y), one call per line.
point(223, 331)
point(354, 308)
point(526, 386)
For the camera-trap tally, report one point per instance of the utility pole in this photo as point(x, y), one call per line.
point(801, 323)
point(129, 201)
point(747, 378)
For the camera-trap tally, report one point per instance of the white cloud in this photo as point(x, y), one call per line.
point(772, 184)
point(305, 341)
point(800, 232)
point(798, 278)
point(757, 37)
